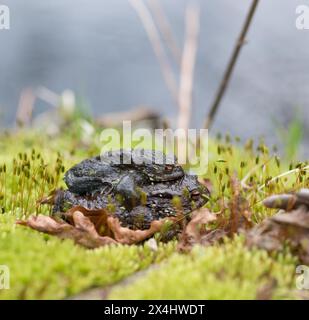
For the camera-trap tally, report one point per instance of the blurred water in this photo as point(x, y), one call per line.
point(99, 49)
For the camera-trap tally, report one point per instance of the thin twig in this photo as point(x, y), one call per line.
point(48, 96)
point(165, 29)
point(154, 37)
point(187, 66)
point(226, 78)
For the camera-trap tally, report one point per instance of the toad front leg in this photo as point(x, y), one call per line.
point(126, 188)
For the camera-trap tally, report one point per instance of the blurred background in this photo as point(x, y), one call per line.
point(99, 49)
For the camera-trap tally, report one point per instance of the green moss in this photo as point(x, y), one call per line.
point(44, 267)
point(220, 272)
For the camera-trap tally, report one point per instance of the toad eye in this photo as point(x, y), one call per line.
point(168, 167)
point(195, 194)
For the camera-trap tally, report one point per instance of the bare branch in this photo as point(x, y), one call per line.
point(154, 37)
point(165, 29)
point(187, 66)
point(25, 107)
point(226, 78)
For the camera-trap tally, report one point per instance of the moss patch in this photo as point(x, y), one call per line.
point(44, 267)
point(220, 272)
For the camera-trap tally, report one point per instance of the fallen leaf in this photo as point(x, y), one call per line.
point(289, 201)
point(92, 228)
point(82, 232)
point(281, 201)
point(125, 235)
point(213, 236)
point(194, 233)
point(303, 196)
point(298, 218)
point(97, 216)
point(284, 227)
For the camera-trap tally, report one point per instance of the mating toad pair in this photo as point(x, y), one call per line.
point(138, 186)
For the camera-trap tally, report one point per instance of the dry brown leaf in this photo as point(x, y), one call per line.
point(289, 201)
point(97, 216)
point(213, 236)
point(281, 201)
point(44, 224)
point(91, 228)
point(125, 235)
point(194, 233)
point(274, 232)
point(298, 218)
point(289, 226)
point(82, 232)
point(303, 196)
